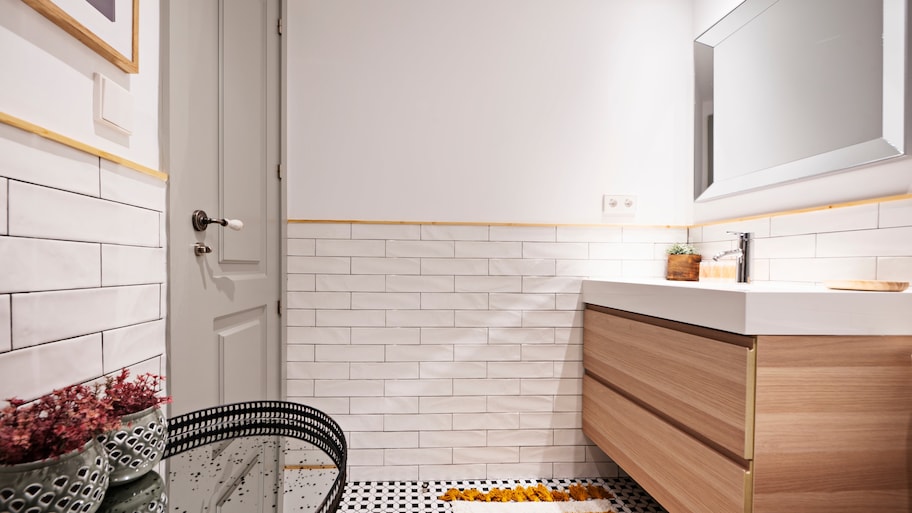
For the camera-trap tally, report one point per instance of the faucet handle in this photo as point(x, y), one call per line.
point(742, 235)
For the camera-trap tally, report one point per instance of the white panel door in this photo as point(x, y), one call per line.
point(221, 102)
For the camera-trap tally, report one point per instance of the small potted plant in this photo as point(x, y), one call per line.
point(138, 444)
point(50, 459)
point(683, 262)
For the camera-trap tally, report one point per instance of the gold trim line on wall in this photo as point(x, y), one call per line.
point(73, 143)
point(479, 223)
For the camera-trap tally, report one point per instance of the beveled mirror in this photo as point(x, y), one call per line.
point(786, 90)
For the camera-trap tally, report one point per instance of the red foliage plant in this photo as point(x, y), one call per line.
point(128, 397)
point(55, 424)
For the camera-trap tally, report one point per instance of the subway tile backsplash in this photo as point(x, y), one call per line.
point(35, 370)
point(448, 350)
point(859, 217)
point(871, 241)
point(42, 212)
point(895, 213)
point(3, 205)
point(455, 351)
point(866, 243)
point(131, 265)
point(125, 346)
point(894, 268)
point(41, 317)
point(84, 270)
point(6, 340)
point(30, 158)
point(127, 186)
point(31, 265)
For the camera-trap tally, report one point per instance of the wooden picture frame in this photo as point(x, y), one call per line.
point(116, 39)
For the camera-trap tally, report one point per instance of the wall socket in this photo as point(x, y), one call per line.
point(619, 204)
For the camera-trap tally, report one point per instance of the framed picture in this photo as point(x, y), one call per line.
point(109, 27)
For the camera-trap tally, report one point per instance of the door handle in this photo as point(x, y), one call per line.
point(201, 221)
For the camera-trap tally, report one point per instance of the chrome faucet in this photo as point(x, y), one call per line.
point(743, 254)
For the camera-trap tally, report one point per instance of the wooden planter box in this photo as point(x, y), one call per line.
point(683, 267)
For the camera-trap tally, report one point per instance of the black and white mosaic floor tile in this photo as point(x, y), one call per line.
point(422, 497)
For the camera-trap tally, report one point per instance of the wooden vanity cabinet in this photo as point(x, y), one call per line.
point(714, 422)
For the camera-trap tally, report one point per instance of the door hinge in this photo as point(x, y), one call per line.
point(279, 171)
point(279, 307)
point(280, 26)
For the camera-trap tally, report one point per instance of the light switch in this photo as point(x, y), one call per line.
point(113, 105)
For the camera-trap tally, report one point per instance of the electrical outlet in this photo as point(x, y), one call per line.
point(619, 204)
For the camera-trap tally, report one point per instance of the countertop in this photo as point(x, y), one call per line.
point(759, 308)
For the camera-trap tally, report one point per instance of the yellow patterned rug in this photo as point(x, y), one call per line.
point(588, 506)
point(532, 499)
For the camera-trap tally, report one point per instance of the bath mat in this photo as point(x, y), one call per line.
point(587, 506)
point(577, 498)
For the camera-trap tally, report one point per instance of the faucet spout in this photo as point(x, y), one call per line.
point(723, 254)
point(743, 253)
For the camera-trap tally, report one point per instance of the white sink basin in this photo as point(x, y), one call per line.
point(760, 308)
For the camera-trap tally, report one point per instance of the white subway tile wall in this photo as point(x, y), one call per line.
point(83, 257)
point(41, 317)
point(6, 339)
point(872, 241)
point(3, 205)
point(131, 265)
point(39, 369)
point(451, 351)
point(124, 185)
point(44, 264)
point(455, 352)
point(42, 212)
point(34, 159)
point(895, 213)
point(123, 347)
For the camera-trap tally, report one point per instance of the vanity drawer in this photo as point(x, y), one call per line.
point(701, 379)
point(683, 474)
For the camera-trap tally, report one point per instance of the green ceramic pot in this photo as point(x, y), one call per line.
point(75, 481)
point(137, 446)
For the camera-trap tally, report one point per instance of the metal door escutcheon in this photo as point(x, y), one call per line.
point(200, 249)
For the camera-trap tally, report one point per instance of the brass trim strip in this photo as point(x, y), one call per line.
point(310, 467)
point(73, 143)
point(480, 223)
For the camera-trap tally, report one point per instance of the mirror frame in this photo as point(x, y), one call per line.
point(891, 143)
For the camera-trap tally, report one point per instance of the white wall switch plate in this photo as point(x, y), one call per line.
point(113, 105)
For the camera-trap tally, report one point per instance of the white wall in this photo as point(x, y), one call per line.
point(47, 80)
point(82, 240)
point(490, 111)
